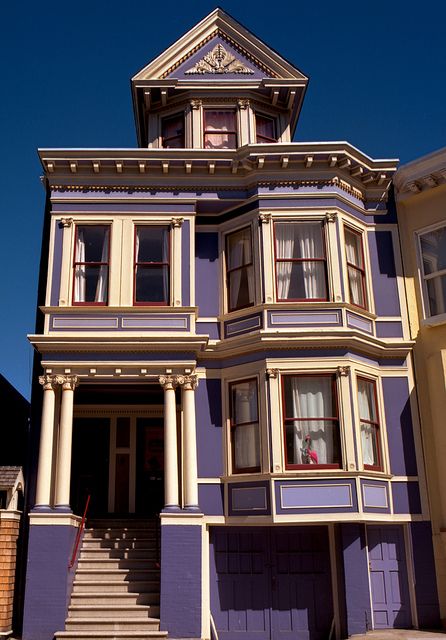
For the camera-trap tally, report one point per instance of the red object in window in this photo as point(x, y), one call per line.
point(172, 131)
point(265, 129)
point(152, 266)
point(91, 265)
point(220, 131)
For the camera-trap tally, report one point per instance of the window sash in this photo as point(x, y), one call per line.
point(369, 424)
point(240, 269)
point(433, 267)
point(354, 255)
point(159, 281)
point(262, 123)
point(91, 265)
point(244, 426)
point(222, 133)
point(310, 421)
point(172, 139)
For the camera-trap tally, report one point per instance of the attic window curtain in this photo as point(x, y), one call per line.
point(91, 266)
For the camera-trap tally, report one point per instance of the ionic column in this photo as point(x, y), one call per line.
point(43, 491)
point(63, 471)
point(171, 502)
point(189, 384)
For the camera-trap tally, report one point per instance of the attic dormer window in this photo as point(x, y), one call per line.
point(172, 131)
point(265, 129)
point(220, 131)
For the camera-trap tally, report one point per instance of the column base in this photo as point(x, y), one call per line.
point(63, 508)
point(171, 508)
point(193, 508)
point(42, 508)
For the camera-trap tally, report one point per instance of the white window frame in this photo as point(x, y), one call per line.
point(428, 318)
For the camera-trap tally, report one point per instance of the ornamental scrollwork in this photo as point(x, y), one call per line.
point(219, 61)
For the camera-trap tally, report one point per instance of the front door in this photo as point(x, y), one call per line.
point(271, 583)
point(388, 577)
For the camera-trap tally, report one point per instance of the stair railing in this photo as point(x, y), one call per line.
point(79, 535)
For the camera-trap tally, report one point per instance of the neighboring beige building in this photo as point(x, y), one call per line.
point(420, 189)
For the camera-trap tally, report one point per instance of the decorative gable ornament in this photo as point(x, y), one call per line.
point(219, 60)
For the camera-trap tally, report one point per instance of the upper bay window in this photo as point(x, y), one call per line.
point(369, 421)
point(354, 253)
point(433, 255)
point(301, 264)
point(239, 269)
point(220, 129)
point(244, 416)
point(311, 422)
point(91, 264)
point(172, 131)
point(265, 129)
point(152, 271)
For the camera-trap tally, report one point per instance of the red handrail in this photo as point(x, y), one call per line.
point(79, 534)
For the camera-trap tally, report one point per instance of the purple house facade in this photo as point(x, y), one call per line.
point(224, 341)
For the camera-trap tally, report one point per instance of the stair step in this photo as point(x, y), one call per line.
point(118, 574)
point(149, 587)
point(111, 624)
point(111, 635)
point(95, 611)
point(144, 553)
point(117, 563)
point(126, 542)
point(114, 598)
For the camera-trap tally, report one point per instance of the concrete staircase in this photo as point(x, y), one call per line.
point(116, 588)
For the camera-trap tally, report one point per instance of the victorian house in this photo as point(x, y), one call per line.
point(224, 341)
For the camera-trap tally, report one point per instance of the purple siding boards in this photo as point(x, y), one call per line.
point(399, 427)
point(209, 428)
point(384, 273)
point(185, 264)
point(57, 265)
point(207, 274)
point(425, 580)
point(210, 499)
point(48, 580)
point(356, 578)
point(406, 497)
point(180, 601)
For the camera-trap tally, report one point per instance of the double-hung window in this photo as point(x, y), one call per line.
point(244, 417)
point(220, 130)
point(311, 422)
point(152, 270)
point(91, 264)
point(369, 421)
point(433, 256)
point(265, 129)
point(239, 269)
point(172, 131)
point(301, 263)
point(354, 254)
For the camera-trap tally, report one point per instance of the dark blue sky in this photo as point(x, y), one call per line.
point(377, 79)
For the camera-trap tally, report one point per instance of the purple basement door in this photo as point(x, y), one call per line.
point(271, 583)
point(388, 577)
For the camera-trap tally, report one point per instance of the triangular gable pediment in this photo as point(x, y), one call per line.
point(240, 55)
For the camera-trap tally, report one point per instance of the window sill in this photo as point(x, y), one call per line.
point(434, 321)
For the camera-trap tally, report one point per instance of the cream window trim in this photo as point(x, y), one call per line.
point(427, 319)
point(67, 265)
point(348, 223)
point(255, 250)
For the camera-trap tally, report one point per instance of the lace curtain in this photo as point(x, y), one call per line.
point(91, 281)
point(246, 429)
point(353, 251)
point(366, 402)
point(241, 280)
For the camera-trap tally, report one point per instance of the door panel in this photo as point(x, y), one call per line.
point(388, 577)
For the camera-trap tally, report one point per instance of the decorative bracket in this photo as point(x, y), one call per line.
point(343, 371)
point(177, 222)
point(331, 216)
point(66, 222)
point(272, 373)
point(265, 218)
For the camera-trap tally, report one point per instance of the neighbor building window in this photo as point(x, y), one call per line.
point(220, 131)
point(172, 131)
point(152, 272)
point(301, 264)
point(91, 264)
point(244, 416)
point(433, 256)
point(311, 423)
point(354, 254)
point(369, 421)
point(239, 269)
point(265, 129)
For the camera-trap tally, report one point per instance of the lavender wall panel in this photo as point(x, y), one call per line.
point(384, 273)
point(185, 263)
point(425, 578)
point(399, 427)
point(180, 597)
point(210, 499)
point(249, 498)
point(358, 322)
point(356, 578)
point(207, 274)
point(406, 497)
point(209, 428)
point(243, 325)
point(375, 496)
point(48, 580)
point(389, 329)
point(57, 265)
point(212, 329)
point(310, 496)
point(330, 318)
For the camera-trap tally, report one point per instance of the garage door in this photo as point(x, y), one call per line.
point(271, 583)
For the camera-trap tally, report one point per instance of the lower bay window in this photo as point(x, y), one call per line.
point(151, 269)
point(369, 423)
point(91, 264)
point(301, 264)
point(311, 422)
point(244, 421)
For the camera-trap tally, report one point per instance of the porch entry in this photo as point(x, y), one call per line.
point(119, 461)
point(271, 583)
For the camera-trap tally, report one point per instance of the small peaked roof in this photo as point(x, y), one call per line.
point(219, 23)
point(8, 477)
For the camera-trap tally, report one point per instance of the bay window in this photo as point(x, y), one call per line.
point(172, 131)
point(91, 264)
point(220, 130)
point(355, 268)
point(433, 257)
point(301, 264)
point(239, 269)
point(265, 129)
point(244, 422)
point(151, 268)
point(311, 422)
point(369, 422)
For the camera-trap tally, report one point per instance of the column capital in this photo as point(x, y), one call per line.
point(265, 218)
point(343, 371)
point(69, 383)
point(167, 382)
point(195, 104)
point(187, 382)
point(331, 216)
point(47, 382)
point(243, 104)
point(177, 222)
